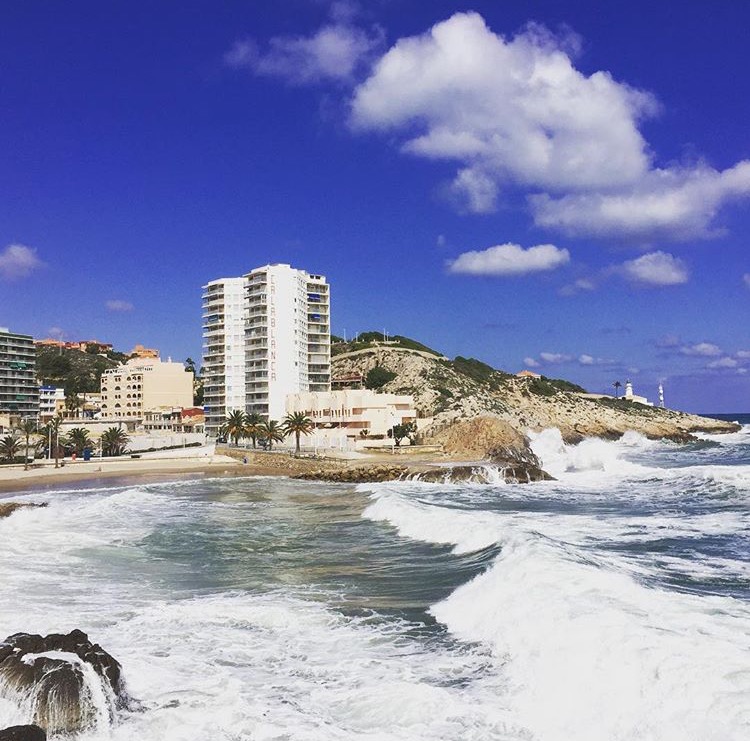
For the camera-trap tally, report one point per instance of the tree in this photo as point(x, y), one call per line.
point(114, 441)
point(79, 439)
point(190, 365)
point(273, 432)
point(9, 448)
point(236, 425)
point(73, 403)
point(253, 426)
point(54, 426)
point(27, 428)
point(377, 377)
point(399, 432)
point(299, 424)
point(617, 386)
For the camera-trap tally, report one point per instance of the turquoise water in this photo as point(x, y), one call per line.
point(612, 603)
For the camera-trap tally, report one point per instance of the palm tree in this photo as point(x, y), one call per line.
point(54, 426)
point(617, 386)
point(73, 403)
point(114, 441)
point(28, 428)
point(236, 425)
point(253, 426)
point(299, 424)
point(9, 447)
point(79, 438)
point(273, 432)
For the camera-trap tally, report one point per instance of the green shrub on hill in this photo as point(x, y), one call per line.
point(378, 376)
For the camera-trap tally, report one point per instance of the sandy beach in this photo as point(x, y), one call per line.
point(46, 476)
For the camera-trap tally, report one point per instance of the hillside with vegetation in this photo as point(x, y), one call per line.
point(76, 371)
point(452, 392)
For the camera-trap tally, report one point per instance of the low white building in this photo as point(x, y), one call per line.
point(349, 416)
point(630, 396)
point(51, 402)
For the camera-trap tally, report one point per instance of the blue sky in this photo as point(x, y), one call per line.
point(564, 186)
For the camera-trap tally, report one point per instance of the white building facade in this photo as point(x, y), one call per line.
point(224, 318)
point(283, 320)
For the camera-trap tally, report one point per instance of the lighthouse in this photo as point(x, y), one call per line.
point(661, 395)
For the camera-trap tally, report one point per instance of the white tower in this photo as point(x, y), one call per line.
point(628, 390)
point(661, 395)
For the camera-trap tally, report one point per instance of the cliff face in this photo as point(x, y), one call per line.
point(447, 392)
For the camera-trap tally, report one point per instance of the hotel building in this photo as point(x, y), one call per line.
point(143, 384)
point(19, 391)
point(285, 319)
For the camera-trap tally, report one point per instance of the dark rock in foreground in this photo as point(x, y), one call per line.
point(54, 674)
point(23, 733)
point(8, 508)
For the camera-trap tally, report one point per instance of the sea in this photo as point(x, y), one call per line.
point(611, 604)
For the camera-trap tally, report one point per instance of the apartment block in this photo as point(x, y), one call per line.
point(142, 384)
point(284, 319)
point(51, 402)
point(224, 316)
point(19, 391)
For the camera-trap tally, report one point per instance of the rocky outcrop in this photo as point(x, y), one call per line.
point(66, 682)
point(446, 393)
point(23, 733)
point(356, 474)
point(8, 508)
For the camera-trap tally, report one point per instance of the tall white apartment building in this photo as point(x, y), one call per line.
point(285, 320)
point(224, 317)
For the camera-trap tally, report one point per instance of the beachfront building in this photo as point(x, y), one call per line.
point(51, 402)
point(139, 351)
point(288, 337)
point(19, 390)
point(128, 390)
point(283, 320)
point(348, 416)
point(224, 316)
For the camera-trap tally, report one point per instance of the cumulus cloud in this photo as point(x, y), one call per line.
point(18, 261)
point(510, 259)
point(702, 349)
point(118, 305)
point(586, 359)
point(336, 51)
point(725, 362)
point(577, 286)
point(743, 354)
point(531, 362)
point(516, 112)
point(555, 357)
point(656, 269)
point(746, 279)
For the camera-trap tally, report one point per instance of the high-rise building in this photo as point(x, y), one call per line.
point(224, 313)
point(19, 391)
point(284, 316)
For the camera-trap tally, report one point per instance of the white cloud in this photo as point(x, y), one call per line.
point(335, 52)
point(586, 359)
point(555, 357)
point(18, 261)
point(118, 305)
point(656, 269)
point(746, 279)
point(530, 362)
point(743, 354)
point(577, 286)
point(668, 204)
point(725, 362)
point(515, 112)
point(510, 259)
point(703, 349)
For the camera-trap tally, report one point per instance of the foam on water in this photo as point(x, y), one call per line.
point(596, 621)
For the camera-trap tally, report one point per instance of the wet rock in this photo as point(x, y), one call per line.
point(23, 733)
point(8, 508)
point(55, 676)
point(357, 474)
